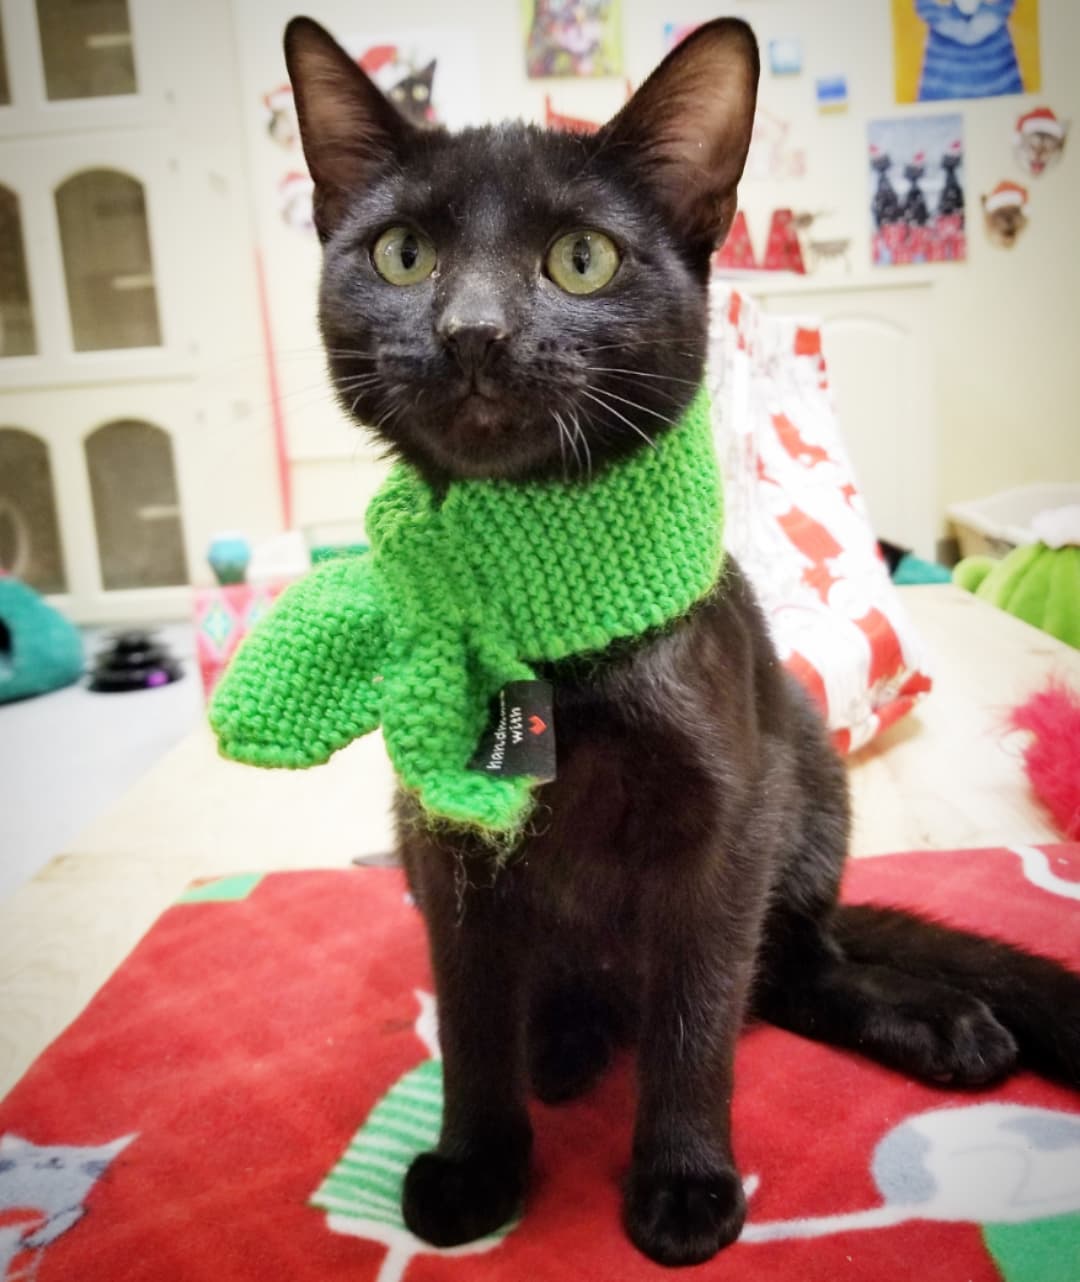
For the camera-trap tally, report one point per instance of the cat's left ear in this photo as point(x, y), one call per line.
point(687, 129)
point(347, 127)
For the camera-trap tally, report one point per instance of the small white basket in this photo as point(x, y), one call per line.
point(993, 526)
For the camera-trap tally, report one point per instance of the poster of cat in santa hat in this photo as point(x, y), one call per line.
point(1039, 140)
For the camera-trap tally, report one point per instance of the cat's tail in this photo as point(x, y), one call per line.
point(1037, 1000)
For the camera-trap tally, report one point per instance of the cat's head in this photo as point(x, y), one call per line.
point(411, 95)
point(511, 302)
point(51, 1176)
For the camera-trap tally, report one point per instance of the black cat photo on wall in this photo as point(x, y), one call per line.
point(521, 318)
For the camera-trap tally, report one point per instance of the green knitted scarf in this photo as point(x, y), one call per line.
point(458, 598)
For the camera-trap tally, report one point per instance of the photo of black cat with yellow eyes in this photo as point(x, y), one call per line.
point(510, 304)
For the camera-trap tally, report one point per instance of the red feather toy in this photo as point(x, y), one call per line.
point(1052, 758)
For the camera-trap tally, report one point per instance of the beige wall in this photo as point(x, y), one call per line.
point(1005, 328)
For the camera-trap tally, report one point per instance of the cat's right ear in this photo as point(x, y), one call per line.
point(347, 127)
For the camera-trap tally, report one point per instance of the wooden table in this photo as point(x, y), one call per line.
point(946, 776)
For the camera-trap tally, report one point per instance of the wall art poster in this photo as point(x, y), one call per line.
point(831, 93)
point(785, 56)
point(946, 49)
point(915, 168)
point(676, 32)
point(429, 75)
point(1040, 140)
point(572, 38)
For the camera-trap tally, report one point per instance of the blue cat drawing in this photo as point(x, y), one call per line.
point(43, 1190)
point(969, 50)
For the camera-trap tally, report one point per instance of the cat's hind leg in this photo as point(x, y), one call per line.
point(922, 1026)
point(1035, 998)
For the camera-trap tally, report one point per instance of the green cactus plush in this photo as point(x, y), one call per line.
point(461, 595)
point(1037, 583)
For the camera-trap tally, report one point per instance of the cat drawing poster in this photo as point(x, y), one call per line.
point(572, 38)
point(949, 49)
point(1040, 140)
point(430, 75)
point(916, 190)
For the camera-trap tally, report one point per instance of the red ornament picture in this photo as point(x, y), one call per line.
point(737, 251)
point(783, 252)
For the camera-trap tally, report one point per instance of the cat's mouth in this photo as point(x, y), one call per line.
point(478, 418)
point(484, 434)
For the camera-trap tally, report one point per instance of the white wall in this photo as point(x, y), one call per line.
point(1005, 323)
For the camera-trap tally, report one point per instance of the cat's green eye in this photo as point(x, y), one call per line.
point(403, 256)
point(582, 262)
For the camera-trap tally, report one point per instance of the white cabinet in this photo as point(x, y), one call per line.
point(877, 339)
point(135, 416)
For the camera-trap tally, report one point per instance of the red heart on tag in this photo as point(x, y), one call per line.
point(536, 725)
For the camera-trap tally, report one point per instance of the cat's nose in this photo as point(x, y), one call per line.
point(472, 343)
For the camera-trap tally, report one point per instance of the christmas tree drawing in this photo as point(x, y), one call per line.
point(783, 252)
point(737, 252)
point(362, 1194)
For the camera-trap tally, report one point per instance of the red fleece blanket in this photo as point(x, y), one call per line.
point(239, 1101)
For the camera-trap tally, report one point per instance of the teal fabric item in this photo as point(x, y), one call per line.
point(913, 569)
point(40, 650)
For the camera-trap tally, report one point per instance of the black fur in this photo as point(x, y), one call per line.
point(683, 869)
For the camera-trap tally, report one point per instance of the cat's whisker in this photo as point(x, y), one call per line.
point(356, 402)
point(677, 399)
point(639, 373)
point(612, 410)
point(635, 343)
point(387, 416)
point(584, 441)
point(562, 443)
point(347, 386)
point(571, 440)
point(606, 391)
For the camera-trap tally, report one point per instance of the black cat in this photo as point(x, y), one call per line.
point(687, 875)
point(915, 212)
point(885, 207)
point(952, 194)
point(411, 95)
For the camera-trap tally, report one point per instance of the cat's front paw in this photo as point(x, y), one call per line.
point(683, 1219)
point(448, 1201)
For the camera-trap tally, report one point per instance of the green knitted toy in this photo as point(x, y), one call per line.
point(1039, 584)
point(457, 599)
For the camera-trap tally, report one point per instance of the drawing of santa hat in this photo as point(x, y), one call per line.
point(1040, 121)
point(1005, 195)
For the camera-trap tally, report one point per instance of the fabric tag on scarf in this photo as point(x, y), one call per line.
point(520, 736)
